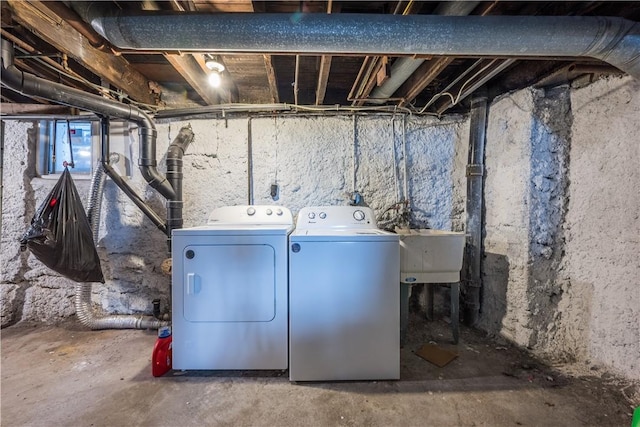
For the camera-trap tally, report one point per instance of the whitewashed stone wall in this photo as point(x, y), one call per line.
point(562, 229)
point(561, 274)
point(603, 226)
point(313, 160)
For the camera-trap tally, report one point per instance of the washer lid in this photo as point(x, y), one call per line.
point(235, 230)
point(344, 234)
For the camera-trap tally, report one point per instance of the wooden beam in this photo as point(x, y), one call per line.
point(190, 70)
point(62, 72)
point(260, 7)
point(55, 31)
point(323, 78)
point(16, 109)
point(370, 83)
point(325, 65)
point(271, 77)
point(421, 78)
point(429, 70)
point(188, 66)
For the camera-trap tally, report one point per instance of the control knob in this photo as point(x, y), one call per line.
point(269, 211)
point(322, 215)
point(251, 211)
point(312, 215)
point(358, 215)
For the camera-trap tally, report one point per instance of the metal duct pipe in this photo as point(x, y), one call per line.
point(29, 85)
point(403, 68)
point(76, 22)
point(475, 184)
point(613, 40)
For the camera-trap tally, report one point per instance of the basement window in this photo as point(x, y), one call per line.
point(69, 142)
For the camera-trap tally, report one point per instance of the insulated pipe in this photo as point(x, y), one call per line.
point(610, 39)
point(76, 22)
point(475, 184)
point(403, 68)
point(30, 85)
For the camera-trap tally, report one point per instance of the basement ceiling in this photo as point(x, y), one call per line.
point(52, 41)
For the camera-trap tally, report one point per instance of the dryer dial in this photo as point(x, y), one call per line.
point(358, 215)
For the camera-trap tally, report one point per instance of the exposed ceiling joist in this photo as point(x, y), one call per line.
point(330, 51)
point(114, 69)
point(17, 109)
point(188, 68)
point(325, 66)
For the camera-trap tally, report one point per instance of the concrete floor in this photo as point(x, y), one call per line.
point(67, 376)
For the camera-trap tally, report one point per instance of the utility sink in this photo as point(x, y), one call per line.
point(430, 256)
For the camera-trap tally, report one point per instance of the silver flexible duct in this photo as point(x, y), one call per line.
point(94, 202)
point(84, 310)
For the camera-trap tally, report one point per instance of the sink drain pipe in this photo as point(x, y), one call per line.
point(475, 185)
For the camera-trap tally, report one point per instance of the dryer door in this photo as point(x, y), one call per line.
point(229, 283)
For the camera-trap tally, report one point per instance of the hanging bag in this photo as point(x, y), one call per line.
point(60, 235)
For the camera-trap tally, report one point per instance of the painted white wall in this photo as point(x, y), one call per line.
point(311, 159)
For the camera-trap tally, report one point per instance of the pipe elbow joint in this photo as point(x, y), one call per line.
point(157, 181)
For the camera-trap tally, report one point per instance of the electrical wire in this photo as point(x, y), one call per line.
point(455, 100)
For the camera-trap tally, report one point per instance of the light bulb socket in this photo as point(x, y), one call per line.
point(214, 65)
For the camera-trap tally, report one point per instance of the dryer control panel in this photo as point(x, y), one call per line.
point(336, 217)
point(250, 214)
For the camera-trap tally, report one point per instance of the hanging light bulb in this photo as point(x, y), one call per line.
point(215, 78)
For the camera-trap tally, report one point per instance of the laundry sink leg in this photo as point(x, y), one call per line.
point(455, 311)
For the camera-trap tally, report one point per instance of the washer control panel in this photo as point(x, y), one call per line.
point(336, 217)
point(250, 214)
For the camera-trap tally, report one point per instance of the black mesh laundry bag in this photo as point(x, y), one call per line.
point(60, 235)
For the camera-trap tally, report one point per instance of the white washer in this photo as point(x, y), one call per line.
point(229, 294)
point(344, 304)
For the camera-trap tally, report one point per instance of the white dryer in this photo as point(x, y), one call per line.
point(229, 293)
point(344, 303)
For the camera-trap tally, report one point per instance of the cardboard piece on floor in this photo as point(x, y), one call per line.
point(436, 355)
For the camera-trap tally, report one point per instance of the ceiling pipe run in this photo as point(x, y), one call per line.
point(30, 85)
point(404, 67)
point(613, 40)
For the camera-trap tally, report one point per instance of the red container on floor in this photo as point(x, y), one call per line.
point(161, 358)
